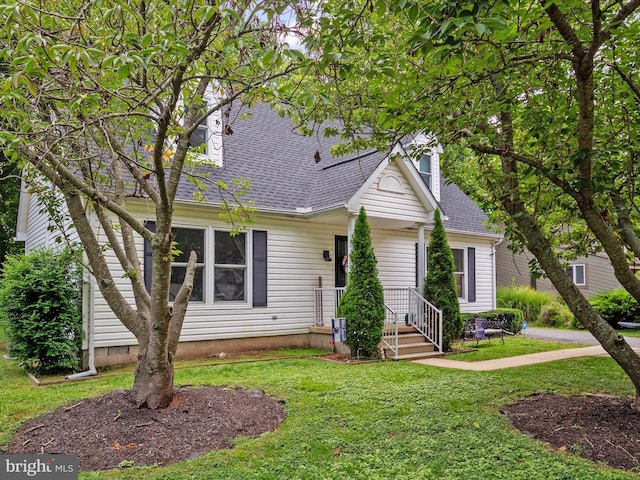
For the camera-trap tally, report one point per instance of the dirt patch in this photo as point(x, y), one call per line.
point(601, 428)
point(345, 358)
point(109, 431)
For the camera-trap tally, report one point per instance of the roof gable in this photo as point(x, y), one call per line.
point(296, 174)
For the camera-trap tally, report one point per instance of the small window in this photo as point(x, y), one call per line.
point(458, 260)
point(200, 135)
point(424, 167)
point(577, 274)
point(230, 267)
point(188, 239)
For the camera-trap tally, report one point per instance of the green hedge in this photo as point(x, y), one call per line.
point(616, 306)
point(512, 317)
point(40, 306)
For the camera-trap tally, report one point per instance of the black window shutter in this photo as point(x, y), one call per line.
point(471, 264)
point(148, 264)
point(259, 268)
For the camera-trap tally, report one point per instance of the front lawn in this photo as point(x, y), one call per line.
point(380, 420)
point(512, 347)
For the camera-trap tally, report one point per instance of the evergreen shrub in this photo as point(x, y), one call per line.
point(363, 301)
point(440, 284)
point(40, 304)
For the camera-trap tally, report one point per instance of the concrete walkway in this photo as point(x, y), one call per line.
point(521, 360)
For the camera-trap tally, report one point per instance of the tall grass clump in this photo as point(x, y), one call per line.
point(529, 301)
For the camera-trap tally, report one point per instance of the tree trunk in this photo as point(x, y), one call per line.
point(153, 382)
point(613, 343)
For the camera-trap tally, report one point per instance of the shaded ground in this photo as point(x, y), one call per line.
point(108, 430)
point(600, 428)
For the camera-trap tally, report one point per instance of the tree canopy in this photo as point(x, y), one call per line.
point(102, 100)
point(535, 101)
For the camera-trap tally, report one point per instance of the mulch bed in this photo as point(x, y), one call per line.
point(109, 431)
point(601, 428)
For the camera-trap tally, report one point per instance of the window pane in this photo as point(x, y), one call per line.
point(199, 136)
point(177, 279)
point(458, 259)
point(425, 164)
point(230, 250)
point(579, 274)
point(459, 283)
point(230, 284)
point(427, 178)
point(188, 239)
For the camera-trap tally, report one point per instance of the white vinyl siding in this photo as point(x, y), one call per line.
point(295, 264)
point(403, 205)
point(42, 232)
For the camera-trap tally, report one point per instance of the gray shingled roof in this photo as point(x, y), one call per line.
point(285, 175)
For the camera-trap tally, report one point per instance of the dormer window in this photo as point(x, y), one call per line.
point(201, 133)
point(425, 168)
point(207, 137)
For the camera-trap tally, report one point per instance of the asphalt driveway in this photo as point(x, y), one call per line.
point(571, 336)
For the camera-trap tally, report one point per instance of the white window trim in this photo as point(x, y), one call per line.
point(247, 267)
point(214, 154)
point(573, 275)
point(209, 269)
point(464, 272)
point(422, 140)
point(199, 263)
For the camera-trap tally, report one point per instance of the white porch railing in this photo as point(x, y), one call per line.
point(402, 306)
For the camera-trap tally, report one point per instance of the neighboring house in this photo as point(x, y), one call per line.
point(591, 274)
point(261, 288)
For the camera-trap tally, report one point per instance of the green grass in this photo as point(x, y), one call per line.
point(380, 420)
point(630, 332)
point(512, 346)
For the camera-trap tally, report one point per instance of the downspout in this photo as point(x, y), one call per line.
point(87, 325)
point(495, 272)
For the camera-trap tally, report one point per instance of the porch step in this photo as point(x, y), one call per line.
point(410, 338)
point(411, 345)
point(416, 356)
point(409, 348)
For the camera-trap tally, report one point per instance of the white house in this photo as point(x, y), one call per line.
point(273, 284)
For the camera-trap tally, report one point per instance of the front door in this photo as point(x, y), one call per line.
point(341, 255)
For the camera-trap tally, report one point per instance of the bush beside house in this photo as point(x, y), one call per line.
point(363, 301)
point(440, 284)
point(616, 306)
point(40, 295)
